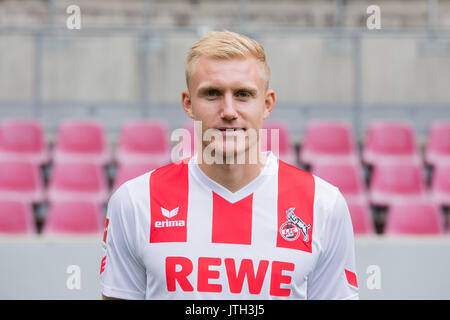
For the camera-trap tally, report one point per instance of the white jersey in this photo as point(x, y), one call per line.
point(174, 233)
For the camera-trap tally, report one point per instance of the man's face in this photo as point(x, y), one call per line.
point(228, 97)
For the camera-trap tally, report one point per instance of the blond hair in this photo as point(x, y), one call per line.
point(227, 45)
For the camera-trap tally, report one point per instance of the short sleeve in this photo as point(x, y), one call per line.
point(334, 276)
point(122, 273)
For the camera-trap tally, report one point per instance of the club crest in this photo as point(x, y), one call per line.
point(291, 229)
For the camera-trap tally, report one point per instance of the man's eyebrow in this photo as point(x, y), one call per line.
point(206, 89)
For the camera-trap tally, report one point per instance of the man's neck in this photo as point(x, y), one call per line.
point(234, 176)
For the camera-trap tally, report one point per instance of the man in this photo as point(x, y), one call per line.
point(216, 228)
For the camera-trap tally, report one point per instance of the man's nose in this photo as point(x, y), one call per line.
point(228, 107)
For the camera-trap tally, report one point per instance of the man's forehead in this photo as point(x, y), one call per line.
point(211, 71)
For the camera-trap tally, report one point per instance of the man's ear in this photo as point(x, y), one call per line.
point(186, 103)
point(269, 104)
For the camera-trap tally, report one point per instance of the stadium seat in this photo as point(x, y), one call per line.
point(440, 184)
point(283, 147)
point(81, 140)
point(346, 176)
point(396, 180)
point(361, 217)
point(73, 217)
point(21, 181)
point(437, 147)
point(78, 181)
point(144, 141)
point(327, 140)
point(16, 218)
point(127, 171)
point(23, 140)
point(390, 141)
point(414, 217)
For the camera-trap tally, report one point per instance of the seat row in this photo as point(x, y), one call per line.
point(148, 140)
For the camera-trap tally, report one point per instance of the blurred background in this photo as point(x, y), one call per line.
point(90, 92)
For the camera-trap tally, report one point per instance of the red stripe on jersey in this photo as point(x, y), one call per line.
point(169, 188)
point(102, 265)
point(351, 278)
point(296, 200)
point(232, 222)
point(105, 232)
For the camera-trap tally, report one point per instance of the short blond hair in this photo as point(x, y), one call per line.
point(227, 45)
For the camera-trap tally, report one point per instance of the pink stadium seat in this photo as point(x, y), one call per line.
point(361, 217)
point(392, 181)
point(414, 217)
point(78, 181)
point(440, 184)
point(346, 176)
point(74, 217)
point(127, 171)
point(325, 140)
point(390, 140)
point(23, 140)
point(16, 218)
point(81, 140)
point(437, 148)
point(21, 181)
point(144, 141)
point(281, 148)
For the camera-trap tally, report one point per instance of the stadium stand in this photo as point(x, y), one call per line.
point(346, 176)
point(74, 217)
point(78, 181)
point(414, 217)
point(127, 171)
point(440, 184)
point(326, 140)
point(16, 217)
point(281, 145)
point(22, 139)
point(396, 180)
point(81, 140)
point(21, 181)
point(437, 147)
point(144, 141)
point(389, 140)
point(361, 217)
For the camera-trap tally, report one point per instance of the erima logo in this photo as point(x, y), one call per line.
point(169, 214)
point(168, 223)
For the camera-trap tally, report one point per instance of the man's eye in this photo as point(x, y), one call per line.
point(243, 94)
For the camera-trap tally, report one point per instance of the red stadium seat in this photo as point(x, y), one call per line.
point(144, 141)
point(437, 148)
point(21, 181)
point(81, 140)
point(127, 171)
point(16, 218)
point(346, 176)
point(23, 140)
point(414, 217)
point(396, 180)
point(282, 148)
point(328, 140)
point(390, 140)
point(73, 217)
point(78, 181)
point(440, 184)
point(361, 217)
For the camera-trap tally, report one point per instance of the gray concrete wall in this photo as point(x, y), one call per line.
point(406, 267)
